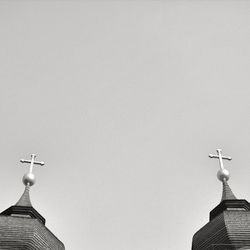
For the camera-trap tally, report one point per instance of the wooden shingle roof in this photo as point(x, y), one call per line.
point(21, 233)
point(229, 225)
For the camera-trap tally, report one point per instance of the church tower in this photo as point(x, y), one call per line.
point(229, 223)
point(22, 227)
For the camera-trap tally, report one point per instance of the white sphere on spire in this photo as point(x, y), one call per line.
point(29, 179)
point(223, 174)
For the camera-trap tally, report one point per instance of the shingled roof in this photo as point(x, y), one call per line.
point(22, 227)
point(229, 222)
point(21, 233)
point(228, 227)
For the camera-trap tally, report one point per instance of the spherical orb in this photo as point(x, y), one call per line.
point(223, 174)
point(29, 178)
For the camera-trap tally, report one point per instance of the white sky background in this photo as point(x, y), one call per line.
point(124, 100)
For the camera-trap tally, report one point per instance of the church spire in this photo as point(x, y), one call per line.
point(22, 226)
point(227, 193)
point(223, 175)
point(28, 181)
point(24, 200)
point(229, 221)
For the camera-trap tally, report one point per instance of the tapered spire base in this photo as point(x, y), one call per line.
point(24, 201)
point(227, 193)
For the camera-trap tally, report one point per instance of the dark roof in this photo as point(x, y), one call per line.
point(25, 198)
point(24, 208)
point(228, 228)
point(229, 225)
point(227, 193)
point(22, 227)
point(22, 211)
point(20, 233)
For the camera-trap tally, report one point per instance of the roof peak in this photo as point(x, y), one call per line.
point(24, 208)
point(223, 175)
point(227, 193)
point(24, 200)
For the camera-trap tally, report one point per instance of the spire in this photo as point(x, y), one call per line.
point(229, 221)
point(24, 208)
point(223, 175)
point(24, 201)
point(227, 193)
point(28, 181)
point(22, 226)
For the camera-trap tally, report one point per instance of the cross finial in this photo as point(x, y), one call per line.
point(29, 178)
point(223, 174)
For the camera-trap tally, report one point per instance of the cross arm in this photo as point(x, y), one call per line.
point(41, 163)
point(223, 157)
point(213, 156)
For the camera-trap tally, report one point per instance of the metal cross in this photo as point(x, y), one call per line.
point(32, 162)
point(220, 157)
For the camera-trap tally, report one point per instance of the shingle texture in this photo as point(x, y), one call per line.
point(23, 228)
point(229, 225)
point(227, 193)
point(229, 230)
point(25, 198)
point(20, 233)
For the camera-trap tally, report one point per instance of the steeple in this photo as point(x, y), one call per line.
point(229, 222)
point(227, 193)
point(22, 226)
point(223, 175)
point(24, 200)
point(28, 180)
point(24, 207)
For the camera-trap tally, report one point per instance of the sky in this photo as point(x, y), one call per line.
point(124, 100)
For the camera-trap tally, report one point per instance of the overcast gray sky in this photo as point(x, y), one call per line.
point(124, 100)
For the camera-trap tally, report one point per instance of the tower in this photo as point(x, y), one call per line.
point(229, 223)
point(22, 227)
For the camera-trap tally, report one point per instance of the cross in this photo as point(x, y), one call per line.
point(220, 157)
point(32, 162)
